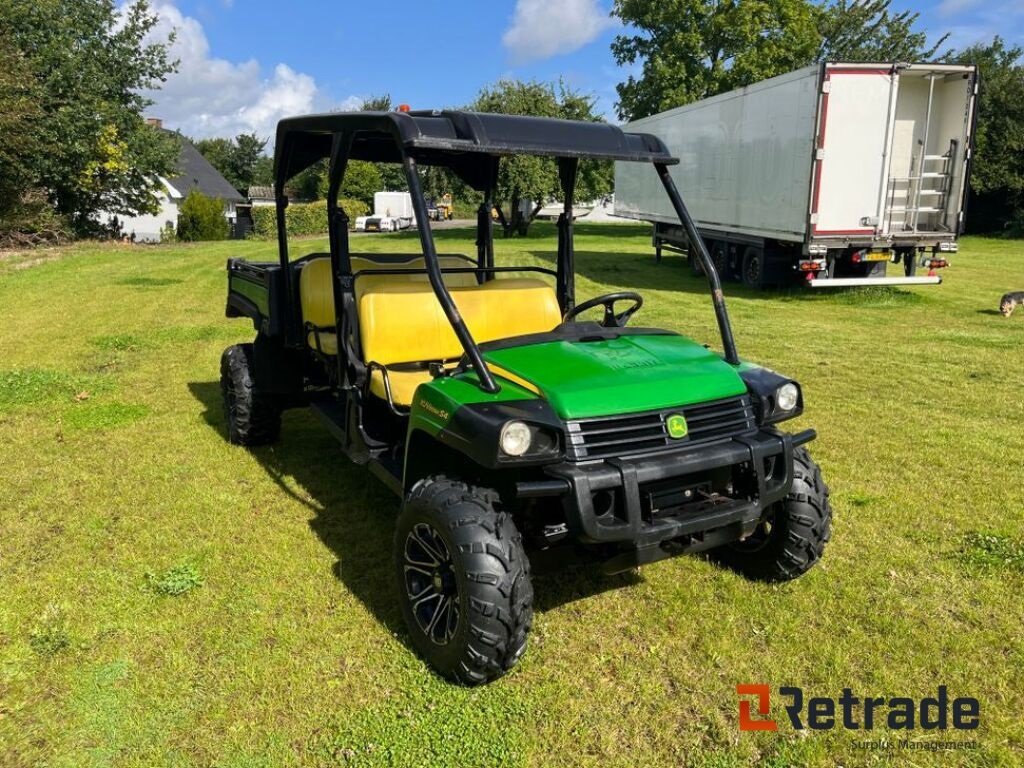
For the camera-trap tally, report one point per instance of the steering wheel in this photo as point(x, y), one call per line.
point(611, 318)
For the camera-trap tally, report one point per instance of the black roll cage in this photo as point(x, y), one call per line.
point(471, 145)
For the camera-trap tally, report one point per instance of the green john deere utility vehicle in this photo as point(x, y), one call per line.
point(515, 431)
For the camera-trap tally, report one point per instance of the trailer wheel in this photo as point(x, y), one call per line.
point(720, 258)
point(253, 418)
point(753, 267)
point(464, 580)
point(695, 266)
point(791, 538)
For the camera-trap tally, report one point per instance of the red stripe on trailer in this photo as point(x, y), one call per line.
point(843, 231)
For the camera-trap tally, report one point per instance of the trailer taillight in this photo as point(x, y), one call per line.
point(934, 263)
point(812, 265)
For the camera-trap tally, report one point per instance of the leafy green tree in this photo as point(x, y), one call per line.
point(238, 160)
point(997, 169)
point(392, 175)
point(217, 152)
point(534, 180)
point(263, 171)
point(19, 141)
point(362, 180)
point(201, 218)
point(869, 30)
point(88, 63)
point(692, 49)
point(380, 103)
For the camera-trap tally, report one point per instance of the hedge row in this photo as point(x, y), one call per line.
point(302, 218)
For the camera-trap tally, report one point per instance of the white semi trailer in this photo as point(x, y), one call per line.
point(392, 211)
point(826, 175)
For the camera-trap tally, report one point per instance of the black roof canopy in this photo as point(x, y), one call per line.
point(455, 139)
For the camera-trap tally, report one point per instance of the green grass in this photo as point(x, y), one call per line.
point(167, 599)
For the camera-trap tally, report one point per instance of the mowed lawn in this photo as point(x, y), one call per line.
point(167, 599)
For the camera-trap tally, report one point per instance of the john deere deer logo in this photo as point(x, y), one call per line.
point(675, 423)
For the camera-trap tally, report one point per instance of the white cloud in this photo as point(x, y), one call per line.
point(954, 7)
point(209, 96)
point(544, 28)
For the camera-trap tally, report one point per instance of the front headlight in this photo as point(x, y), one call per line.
point(515, 438)
point(787, 396)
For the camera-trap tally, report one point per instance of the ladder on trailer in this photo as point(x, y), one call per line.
point(928, 186)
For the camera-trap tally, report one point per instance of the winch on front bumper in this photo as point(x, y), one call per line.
point(690, 499)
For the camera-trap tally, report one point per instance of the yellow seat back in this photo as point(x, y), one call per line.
point(316, 294)
point(403, 322)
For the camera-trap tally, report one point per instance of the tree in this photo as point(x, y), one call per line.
point(997, 168)
point(201, 218)
point(392, 175)
point(88, 63)
point(362, 180)
point(19, 141)
point(380, 103)
point(692, 49)
point(868, 30)
point(534, 180)
point(240, 160)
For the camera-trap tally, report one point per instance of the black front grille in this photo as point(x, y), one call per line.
point(641, 433)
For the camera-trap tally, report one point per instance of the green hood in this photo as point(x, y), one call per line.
point(583, 379)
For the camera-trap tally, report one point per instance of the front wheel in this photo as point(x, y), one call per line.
point(791, 538)
point(463, 580)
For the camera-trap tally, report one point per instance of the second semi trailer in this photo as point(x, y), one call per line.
point(826, 175)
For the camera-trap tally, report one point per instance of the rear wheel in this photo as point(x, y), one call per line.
point(720, 258)
point(464, 580)
point(792, 536)
point(753, 267)
point(253, 418)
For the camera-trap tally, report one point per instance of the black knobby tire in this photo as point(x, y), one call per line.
point(720, 258)
point(487, 578)
point(753, 268)
point(253, 418)
point(792, 539)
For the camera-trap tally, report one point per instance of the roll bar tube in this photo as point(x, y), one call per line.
point(487, 382)
point(697, 243)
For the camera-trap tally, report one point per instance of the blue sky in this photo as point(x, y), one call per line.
point(247, 63)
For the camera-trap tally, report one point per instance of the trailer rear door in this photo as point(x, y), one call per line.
point(850, 165)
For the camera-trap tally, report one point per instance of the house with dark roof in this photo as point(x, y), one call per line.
point(193, 171)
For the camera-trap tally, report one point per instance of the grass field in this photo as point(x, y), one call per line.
point(167, 599)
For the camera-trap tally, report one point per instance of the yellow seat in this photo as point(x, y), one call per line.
point(403, 384)
point(316, 293)
point(404, 323)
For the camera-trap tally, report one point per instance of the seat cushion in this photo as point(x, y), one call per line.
point(403, 384)
point(328, 342)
